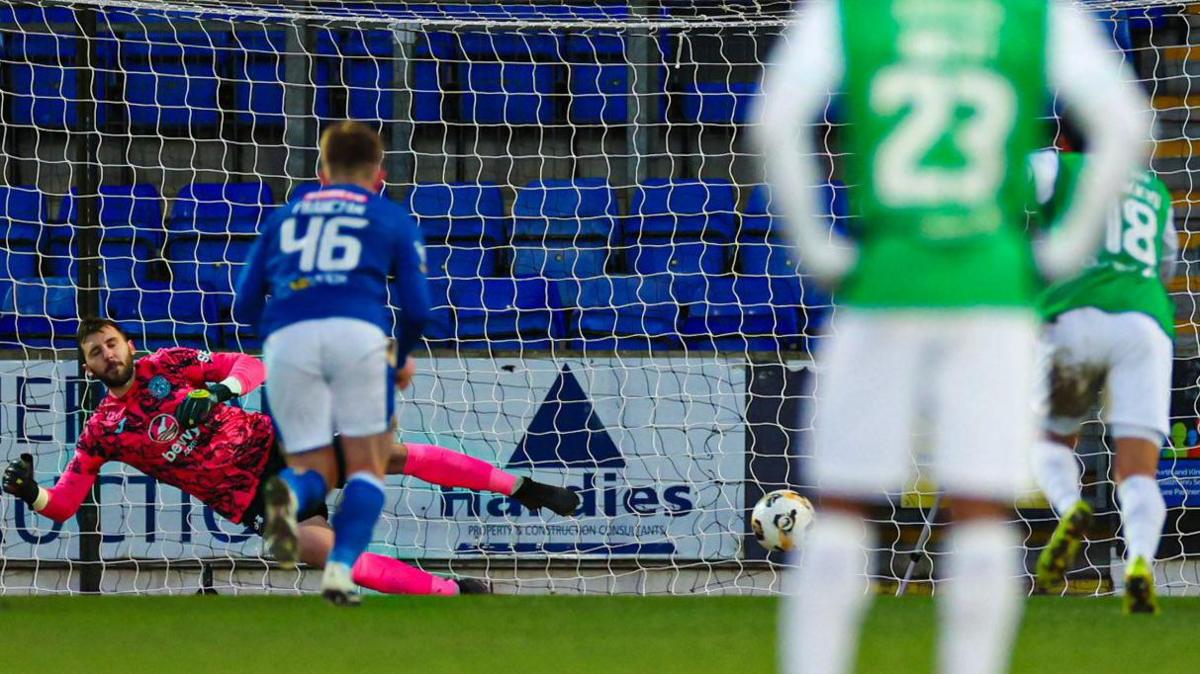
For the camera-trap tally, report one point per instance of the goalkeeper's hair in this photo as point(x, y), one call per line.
point(90, 325)
point(350, 148)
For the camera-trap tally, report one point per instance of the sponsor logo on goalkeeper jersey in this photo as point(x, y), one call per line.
point(567, 436)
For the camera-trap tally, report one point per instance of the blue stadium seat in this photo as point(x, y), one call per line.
point(221, 208)
point(40, 313)
point(171, 79)
point(581, 208)
point(598, 79)
point(22, 218)
point(560, 259)
point(127, 212)
point(509, 78)
point(433, 74)
point(439, 330)
point(158, 314)
point(506, 313)
point(460, 261)
point(369, 74)
point(759, 218)
point(772, 257)
point(43, 82)
point(740, 314)
point(664, 207)
point(259, 65)
point(458, 212)
point(718, 102)
point(679, 258)
point(625, 312)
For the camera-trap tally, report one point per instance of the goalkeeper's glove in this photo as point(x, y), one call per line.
point(18, 479)
point(198, 404)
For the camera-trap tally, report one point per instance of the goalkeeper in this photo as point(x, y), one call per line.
point(1114, 322)
point(164, 416)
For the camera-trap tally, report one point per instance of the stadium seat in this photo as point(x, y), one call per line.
point(759, 218)
point(171, 79)
point(739, 314)
point(509, 78)
point(582, 208)
point(439, 330)
point(43, 82)
point(260, 76)
point(458, 212)
point(369, 74)
point(221, 208)
point(22, 218)
point(684, 258)
point(497, 314)
point(433, 75)
point(664, 207)
point(772, 257)
point(460, 261)
point(718, 102)
point(625, 312)
point(560, 259)
point(158, 314)
point(126, 212)
point(40, 313)
point(598, 79)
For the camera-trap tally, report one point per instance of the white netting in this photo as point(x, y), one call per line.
point(614, 309)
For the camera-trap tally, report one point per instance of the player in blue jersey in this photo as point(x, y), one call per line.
point(317, 285)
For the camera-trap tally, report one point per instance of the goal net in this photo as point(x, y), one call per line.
point(614, 309)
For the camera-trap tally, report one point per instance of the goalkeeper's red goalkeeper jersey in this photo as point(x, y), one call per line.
point(219, 462)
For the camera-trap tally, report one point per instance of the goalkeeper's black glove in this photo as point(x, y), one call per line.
point(198, 404)
point(18, 479)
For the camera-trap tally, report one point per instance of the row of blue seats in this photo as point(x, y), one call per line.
point(172, 79)
point(734, 314)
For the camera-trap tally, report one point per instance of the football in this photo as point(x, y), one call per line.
point(780, 519)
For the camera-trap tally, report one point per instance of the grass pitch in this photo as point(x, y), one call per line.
point(532, 635)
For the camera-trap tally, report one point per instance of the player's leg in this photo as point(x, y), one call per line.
point(448, 468)
point(360, 369)
point(299, 399)
point(1140, 396)
point(865, 396)
point(1079, 365)
point(984, 422)
point(379, 572)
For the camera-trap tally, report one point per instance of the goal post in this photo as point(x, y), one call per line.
point(614, 308)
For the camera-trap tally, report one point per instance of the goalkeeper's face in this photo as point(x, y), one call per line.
point(109, 357)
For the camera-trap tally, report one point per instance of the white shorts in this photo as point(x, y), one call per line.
point(329, 375)
point(970, 373)
point(1126, 353)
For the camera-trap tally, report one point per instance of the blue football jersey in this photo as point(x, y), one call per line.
point(333, 253)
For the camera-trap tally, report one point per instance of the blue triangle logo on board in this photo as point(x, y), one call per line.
point(566, 432)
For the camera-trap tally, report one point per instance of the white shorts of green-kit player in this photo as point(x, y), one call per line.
point(970, 372)
point(1136, 354)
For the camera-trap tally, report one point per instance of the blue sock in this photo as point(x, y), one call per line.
point(354, 523)
point(309, 487)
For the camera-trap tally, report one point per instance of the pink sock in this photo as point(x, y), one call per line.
point(448, 468)
point(392, 576)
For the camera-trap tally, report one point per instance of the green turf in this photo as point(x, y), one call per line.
point(529, 635)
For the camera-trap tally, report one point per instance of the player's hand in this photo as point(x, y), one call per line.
point(18, 479)
point(198, 404)
point(405, 374)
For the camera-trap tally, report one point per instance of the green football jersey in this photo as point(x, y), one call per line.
point(942, 100)
point(1126, 274)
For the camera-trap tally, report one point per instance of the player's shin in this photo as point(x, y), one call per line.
point(1057, 472)
point(354, 522)
point(448, 468)
point(392, 576)
point(822, 614)
point(308, 487)
point(1143, 513)
point(980, 608)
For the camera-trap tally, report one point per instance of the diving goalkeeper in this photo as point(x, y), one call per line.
point(221, 454)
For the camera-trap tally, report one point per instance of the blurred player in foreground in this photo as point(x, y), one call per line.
point(152, 420)
point(317, 284)
point(1113, 327)
point(942, 100)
